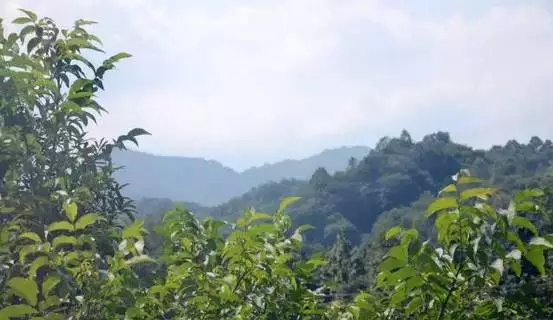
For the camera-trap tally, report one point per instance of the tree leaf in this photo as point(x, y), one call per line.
point(37, 264)
point(468, 180)
point(29, 14)
point(22, 20)
point(391, 233)
point(285, 202)
point(86, 220)
point(64, 240)
point(138, 132)
point(60, 225)
point(535, 256)
point(524, 223)
point(16, 311)
point(49, 284)
point(70, 211)
point(31, 236)
point(25, 251)
point(134, 230)
point(139, 259)
point(449, 188)
point(256, 216)
point(539, 241)
point(110, 61)
point(476, 193)
point(441, 204)
point(25, 288)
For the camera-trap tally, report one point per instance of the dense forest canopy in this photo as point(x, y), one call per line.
point(415, 230)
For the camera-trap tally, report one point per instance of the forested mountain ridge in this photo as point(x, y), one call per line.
point(208, 182)
point(396, 173)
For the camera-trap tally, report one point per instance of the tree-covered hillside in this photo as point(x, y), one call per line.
point(210, 183)
point(396, 173)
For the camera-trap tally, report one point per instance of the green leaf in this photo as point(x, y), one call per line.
point(134, 230)
point(139, 259)
point(16, 311)
point(86, 220)
point(285, 202)
point(29, 14)
point(441, 204)
point(60, 225)
point(64, 240)
point(22, 20)
point(398, 252)
point(408, 236)
point(110, 61)
point(449, 188)
point(476, 193)
point(37, 264)
point(414, 305)
point(25, 251)
point(535, 256)
point(256, 216)
point(391, 233)
point(70, 211)
point(25, 288)
point(524, 223)
point(515, 266)
point(539, 241)
point(49, 284)
point(31, 236)
point(468, 180)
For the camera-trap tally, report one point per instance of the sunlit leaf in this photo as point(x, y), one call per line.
point(70, 211)
point(16, 311)
point(37, 264)
point(138, 260)
point(49, 284)
point(284, 203)
point(539, 241)
point(391, 233)
point(31, 236)
point(449, 188)
point(25, 288)
point(468, 180)
point(524, 223)
point(476, 193)
point(86, 220)
point(63, 240)
point(440, 204)
point(60, 225)
point(535, 256)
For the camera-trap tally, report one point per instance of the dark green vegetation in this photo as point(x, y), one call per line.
point(401, 234)
point(210, 183)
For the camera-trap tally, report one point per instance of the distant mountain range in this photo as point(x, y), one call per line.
point(209, 182)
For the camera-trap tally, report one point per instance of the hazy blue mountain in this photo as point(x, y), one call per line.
point(208, 182)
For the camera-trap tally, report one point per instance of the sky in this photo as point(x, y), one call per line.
point(249, 82)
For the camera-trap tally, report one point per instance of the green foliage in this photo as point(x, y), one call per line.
point(66, 252)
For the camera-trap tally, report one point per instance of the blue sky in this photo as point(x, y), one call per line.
point(248, 82)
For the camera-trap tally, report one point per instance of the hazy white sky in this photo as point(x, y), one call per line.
point(248, 82)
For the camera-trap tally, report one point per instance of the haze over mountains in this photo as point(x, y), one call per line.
point(209, 182)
